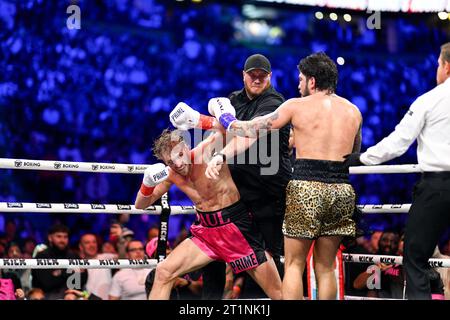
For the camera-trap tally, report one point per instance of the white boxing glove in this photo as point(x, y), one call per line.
point(153, 175)
point(222, 109)
point(184, 117)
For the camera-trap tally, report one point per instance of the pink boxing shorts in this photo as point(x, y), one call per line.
point(230, 235)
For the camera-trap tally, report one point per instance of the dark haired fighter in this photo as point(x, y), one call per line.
point(320, 200)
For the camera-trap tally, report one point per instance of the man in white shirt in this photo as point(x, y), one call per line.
point(428, 121)
point(99, 280)
point(129, 284)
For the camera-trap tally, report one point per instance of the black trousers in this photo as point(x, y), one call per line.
point(428, 219)
point(271, 228)
point(268, 216)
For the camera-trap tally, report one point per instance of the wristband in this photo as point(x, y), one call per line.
point(146, 191)
point(226, 120)
point(205, 122)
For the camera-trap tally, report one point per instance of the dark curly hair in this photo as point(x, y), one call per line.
point(322, 68)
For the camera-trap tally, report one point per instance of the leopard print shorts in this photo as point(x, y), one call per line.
point(315, 209)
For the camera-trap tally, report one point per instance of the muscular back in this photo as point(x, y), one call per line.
point(325, 126)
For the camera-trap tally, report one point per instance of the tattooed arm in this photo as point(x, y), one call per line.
point(260, 125)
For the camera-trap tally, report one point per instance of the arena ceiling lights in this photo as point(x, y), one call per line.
point(374, 5)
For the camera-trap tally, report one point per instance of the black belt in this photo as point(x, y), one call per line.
point(439, 174)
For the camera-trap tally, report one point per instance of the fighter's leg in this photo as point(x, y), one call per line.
point(295, 253)
point(267, 277)
point(325, 250)
point(302, 223)
point(186, 257)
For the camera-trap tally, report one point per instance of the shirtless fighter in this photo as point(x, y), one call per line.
point(320, 200)
point(224, 229)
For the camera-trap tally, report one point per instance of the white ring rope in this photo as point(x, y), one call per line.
point(77, 263)
point(25, 164)
point(88, 208)
point(373, 258)
point(366, 298)
point(151, 263)
point(383, 169)
point(385, 208)
point(152, 210)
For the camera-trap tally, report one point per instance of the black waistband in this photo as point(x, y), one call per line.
point(235, 206)
point(320, 170)
point(438, 174)
point(222, 216)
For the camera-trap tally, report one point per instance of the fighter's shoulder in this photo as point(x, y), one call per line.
point(296, 101)
point(350, 105)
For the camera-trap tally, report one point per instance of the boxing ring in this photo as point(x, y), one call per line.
point(92, 208)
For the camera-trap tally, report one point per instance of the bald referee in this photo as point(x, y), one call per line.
point(428, 121)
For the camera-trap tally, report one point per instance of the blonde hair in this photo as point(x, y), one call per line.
point(165, 142)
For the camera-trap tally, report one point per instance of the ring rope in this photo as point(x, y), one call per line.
point(373, 258)
point(151, 263)
point(98, 167)
point(152, 210)
point(384, 169)
point(77, 263)
point(88, 208)
point(26, 164)
point(366, 298)
point(384, 208)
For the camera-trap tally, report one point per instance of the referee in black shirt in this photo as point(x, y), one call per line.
point(261, 185)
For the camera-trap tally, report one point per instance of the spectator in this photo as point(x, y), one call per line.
point(443, 272)
point(24, 275)
point(54, 281)
point(28, 247)
point(129, 284)
point(35, 294)
point(353, 270)
point(11, 232)
point(108, 247)
point(153, 232)
point(374, 241)
point(391, 283)
point(10, 287)
point(120, 236)
point(98, 280)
